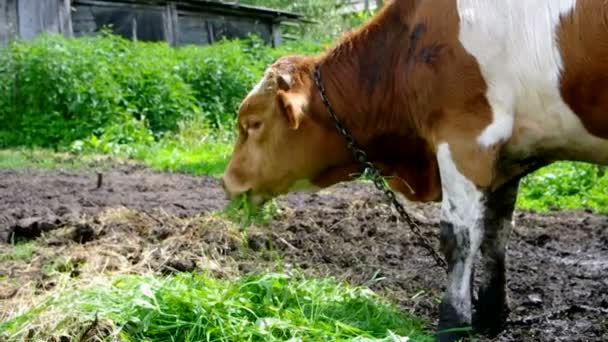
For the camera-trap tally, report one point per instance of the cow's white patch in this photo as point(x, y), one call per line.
point(265, 84)
point(462, 206)
point(260, 86)
point(515, 44)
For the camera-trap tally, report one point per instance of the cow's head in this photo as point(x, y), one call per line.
point(282, 142)
point(287, 139)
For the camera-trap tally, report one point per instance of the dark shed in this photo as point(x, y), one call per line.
point(177, 22)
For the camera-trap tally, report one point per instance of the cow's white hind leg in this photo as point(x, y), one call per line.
point(491, 306)
point(462, 211)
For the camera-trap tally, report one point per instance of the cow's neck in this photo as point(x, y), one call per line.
point(366, 77)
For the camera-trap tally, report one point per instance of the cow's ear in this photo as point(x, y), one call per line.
point(292, 106)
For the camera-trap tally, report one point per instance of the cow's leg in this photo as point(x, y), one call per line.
point(491, 310)
point(462, 210)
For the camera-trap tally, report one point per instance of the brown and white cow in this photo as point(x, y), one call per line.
point(455, 100)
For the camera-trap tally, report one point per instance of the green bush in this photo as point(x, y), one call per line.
point(56, 90)
point(565, 185)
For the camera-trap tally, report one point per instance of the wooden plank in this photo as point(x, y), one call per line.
point(83, 21)
point(29, 18)
point(277, 38)
point(113, 4)
point(170, 24)
point(192, 30)
point(12, 19)
point(4, 23)
point(35, 17)
point(210, 32)
point(65, 18)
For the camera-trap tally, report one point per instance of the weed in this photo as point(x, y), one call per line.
point(18, 251)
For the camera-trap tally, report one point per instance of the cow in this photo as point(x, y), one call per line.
point(455, 101)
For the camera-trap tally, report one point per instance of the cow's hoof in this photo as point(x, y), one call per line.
point(490, 314)
point(452, 336)
point(490, 325)
point(452, 326)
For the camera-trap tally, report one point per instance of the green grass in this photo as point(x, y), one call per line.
point(243, 213)
point(195, 149)
point(187, 307)
point(43, 159)
point(198, 152)
point(19, 251)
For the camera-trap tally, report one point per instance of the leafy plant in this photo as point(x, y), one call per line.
point(565, 185)
point(106, 92)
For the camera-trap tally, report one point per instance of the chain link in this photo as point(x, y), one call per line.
point(375, 174)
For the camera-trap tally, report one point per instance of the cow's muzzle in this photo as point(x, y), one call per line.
point(257, 199)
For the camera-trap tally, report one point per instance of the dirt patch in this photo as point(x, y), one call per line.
point(35, 201)
point(143, 221)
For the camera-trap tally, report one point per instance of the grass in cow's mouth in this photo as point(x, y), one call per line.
point(188, 307)
point(243, 212)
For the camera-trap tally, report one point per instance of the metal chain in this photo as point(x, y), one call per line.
point(374, 173)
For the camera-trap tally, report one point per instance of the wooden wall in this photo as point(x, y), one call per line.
point(149, 21)
point(178, 26)
point(138, 22)
point(28, 18)
point(8, 20)
point(37, 16)
point(205, 28)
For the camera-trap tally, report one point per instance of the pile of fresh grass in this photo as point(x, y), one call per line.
point(188, 307)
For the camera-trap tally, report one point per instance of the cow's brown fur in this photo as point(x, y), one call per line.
point(386, 89)
point(402, 83)
point(584, 84)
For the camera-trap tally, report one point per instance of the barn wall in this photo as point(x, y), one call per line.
point(205, 28)
point(139, 22)
point(8, 20)
point(37, 16)
point(154, 21)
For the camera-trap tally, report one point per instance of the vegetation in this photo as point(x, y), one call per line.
point(118, 92)
point(333, 15)
point(172, 108)
point(174, 111)
point(19, 251)
point(66, 102)
point(187, 307)
point(565, 185)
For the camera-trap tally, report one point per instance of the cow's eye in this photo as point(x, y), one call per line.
point(255, 125)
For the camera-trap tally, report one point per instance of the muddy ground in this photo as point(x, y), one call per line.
point(144, 221)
